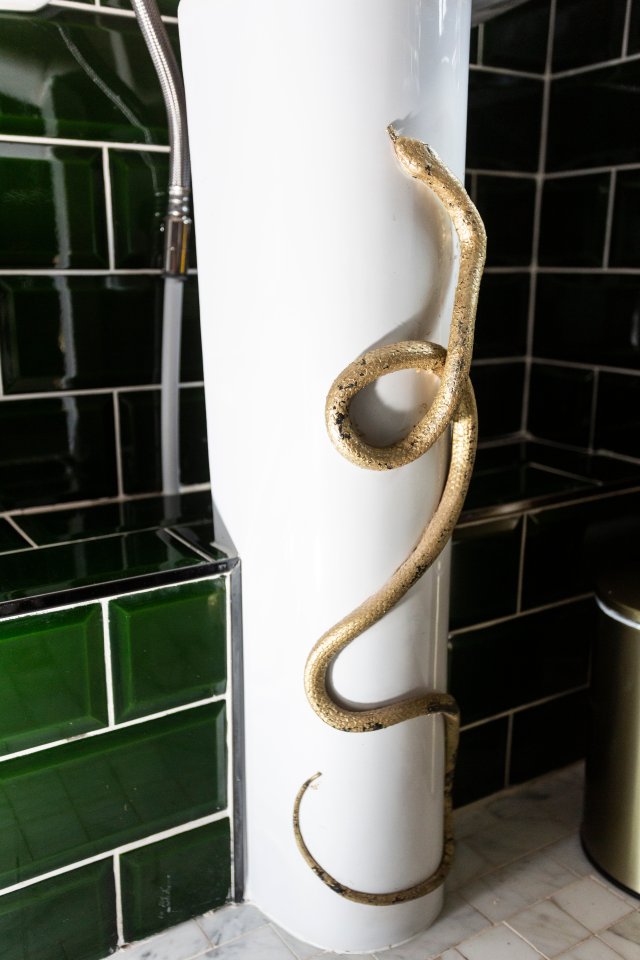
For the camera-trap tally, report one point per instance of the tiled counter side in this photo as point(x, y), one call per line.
point(523, 614)
point(117, 812)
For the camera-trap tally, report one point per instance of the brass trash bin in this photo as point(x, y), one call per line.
point(611, 824)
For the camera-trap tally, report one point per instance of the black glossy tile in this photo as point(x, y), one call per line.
point(52, 209)
point(140, 432)
point(139, 190)
point(482, 755)
point(506, 205)
point(485, 562)
point(85, 332)
point(587, 31)
point(70, 916)
point(521, 660)
point(517, 485)
point(560, 404)
point(10, 539)
point(498, 388)
point(561, 553)
point(62, 526)
point(590, 118)
point(618, 414)
point(53, 570)
point(195, 866)
point(57, 450)
point(588, 318)
point(517, 40)
point(634, 28)
point(473, 46)
point(96, 80)
point(503, 126)
point(548, 737)
point(625, 229)
point(572, 226)
point(75, 801)
point(501, 322)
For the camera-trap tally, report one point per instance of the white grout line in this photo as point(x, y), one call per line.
point(102, 502)
point(18, 529)
point(504, 71)
point(480, 44)
point(593, 411)
point(187, 543)
point(72, 142)
point(591, 271)
point(117, 881)
point(518, 616)
point(580, 365)
point(110, 11)
point(118, 444)
point(497, 361)
point(108, 667)
point(525, 706)
point(609, 221)
point(508, 174)
point(124, 848)
point(588, 68)
point(587, 171)
point(106, 175)
point(96, 391)
point(36, 272)
point(625, 31)
point(523, 539)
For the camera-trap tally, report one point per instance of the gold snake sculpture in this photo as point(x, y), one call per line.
point(453, 404)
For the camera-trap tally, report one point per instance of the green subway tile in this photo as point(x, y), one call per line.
point(10, 539)
point(72, 802)
point(168, 647)
point(481, 764)
point(168, 882)
point(485, 563)
point(139, 190)
point(52, 677)
point(61, 333)
point(56, 450)
point(140, 432)
point(52, 209)
point(52, 570)
point(521, 660)
point(71, 917)
point(547, 737)
point(96, 80)
point(128, 516)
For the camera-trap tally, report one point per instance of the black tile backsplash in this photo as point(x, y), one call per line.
point(588, 318)
point(506, 205)
point(587, 31)
point(625, 229)
point(503, 130)
point(501, 320)
point(503, 38)
point(498, 388)
point(590, 118)
point(549, 736)
point(482, 758)
point(573, 222)
point(560, 403)
point(484, 571)
point(617, 426)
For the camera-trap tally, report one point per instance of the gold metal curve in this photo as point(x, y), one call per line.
point(454, 405)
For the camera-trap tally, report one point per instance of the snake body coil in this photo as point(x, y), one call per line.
point(454, 405)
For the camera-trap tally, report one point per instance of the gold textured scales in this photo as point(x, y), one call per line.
point(454, 405)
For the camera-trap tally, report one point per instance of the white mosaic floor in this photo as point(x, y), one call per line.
point(521, 889)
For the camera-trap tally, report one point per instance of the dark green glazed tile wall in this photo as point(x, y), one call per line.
point(625, 231)
point(95, 82)
point(140, 431)
point(590, 118)
point(501, 321)
point(168, 647)
point(71, 917)
point(588, 318)
point(51, 570)
point(62, 526)
point(521, 660)
point(587, 31)
point(168, 882)
point(139, 190)
point(561, 552)
point(81, 799)
point(618, 414)
point(503, 44)
point(52, 207)
point(548, 737)
point(560, 403)
point(482, 757)
point(52, 677)
point(506, 205)
point(503, 127)
point(485, 563)
point(498, 388)
point(574, 214)
point(57, 450)
point(87, 332)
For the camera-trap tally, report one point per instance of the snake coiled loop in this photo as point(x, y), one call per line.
point(454, 406)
